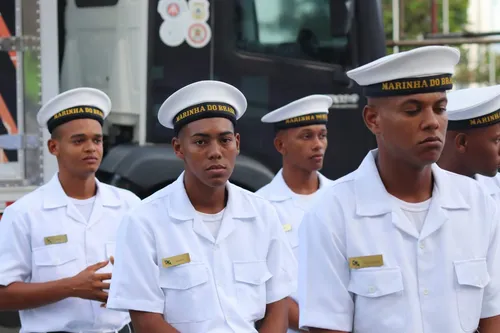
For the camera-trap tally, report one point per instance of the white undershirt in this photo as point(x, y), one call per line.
point(212, 221)
point(305, 197)
point(84, 206)
point(415, 212)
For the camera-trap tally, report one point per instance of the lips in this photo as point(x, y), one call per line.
point(317, 156)
point(431, 139)
point(90, 158)
point(216, 167)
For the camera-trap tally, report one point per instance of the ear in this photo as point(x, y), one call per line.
point(176, 144)
point(371, 118)
point(461, 142)
point(53, 147)
point(237, 140)
point(279, 144)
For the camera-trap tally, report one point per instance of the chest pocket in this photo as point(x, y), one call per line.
point(189, 296)
point(379, 299)
point(251, 278)
point(472, 278)
point(53, 262)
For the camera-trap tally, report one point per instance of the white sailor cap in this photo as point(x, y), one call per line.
point(202, 99)
point(74, 104)
point(422, 70)
point(306, 111)
point(473, 107)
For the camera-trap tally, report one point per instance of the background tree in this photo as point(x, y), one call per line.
point(416, 22)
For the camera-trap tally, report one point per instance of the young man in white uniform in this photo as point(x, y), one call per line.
point(207, 256)
point(401, 245)
point(472, 144)
point(56, 242)
point(301, 138)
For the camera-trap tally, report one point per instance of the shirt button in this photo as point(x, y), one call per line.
point(426, 292)
point(422, 246)
point(371, 289)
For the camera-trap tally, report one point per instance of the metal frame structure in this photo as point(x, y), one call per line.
point(444, 38)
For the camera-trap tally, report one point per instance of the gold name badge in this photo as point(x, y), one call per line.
point(59, 239)
point(176, 260)
point(287, 227)
point(367, 261)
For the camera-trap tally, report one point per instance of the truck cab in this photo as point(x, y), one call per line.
point(274, 51)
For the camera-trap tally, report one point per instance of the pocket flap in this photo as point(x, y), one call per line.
point(54, 255)
point(184, 276)
point(376, 282)
point(251, 272)
point(472, 273)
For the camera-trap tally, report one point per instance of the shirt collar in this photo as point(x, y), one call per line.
point(373, 199)
point(56, 197)
point(281, 191)
point(180, 207)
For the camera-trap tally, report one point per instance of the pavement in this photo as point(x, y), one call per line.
point(9, 330)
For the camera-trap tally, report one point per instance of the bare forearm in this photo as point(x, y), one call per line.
point(490, 325)
point(145, 322)
point(293, 315)
point(21, 296)
point(276, 319)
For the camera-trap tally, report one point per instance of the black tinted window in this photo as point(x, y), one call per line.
point(290, 28)
point(95, 3)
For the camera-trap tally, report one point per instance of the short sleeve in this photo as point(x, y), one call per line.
point(324, 300)
point(280, 261)
point(131, 199)
point(491, 297)
point(135, 280)
point(15, 248)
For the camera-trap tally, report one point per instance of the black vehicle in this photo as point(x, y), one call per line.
point(274, 51)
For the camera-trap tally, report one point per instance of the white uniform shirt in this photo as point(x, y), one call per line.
point(229, 280)
point(24, 257)
point(491, 185)
point(443, 279)
point(291, 208)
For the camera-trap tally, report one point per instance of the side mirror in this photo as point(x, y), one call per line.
point(341, 16)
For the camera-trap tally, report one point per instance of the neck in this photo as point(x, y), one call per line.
point(300, 181)
point(452, 163)
point(205, 199)
point(407, 183)
point(77, 188)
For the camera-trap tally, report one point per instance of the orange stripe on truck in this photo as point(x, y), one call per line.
point(5, 115)
point(4, 32)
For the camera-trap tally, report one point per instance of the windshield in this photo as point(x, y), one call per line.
point(316, 30)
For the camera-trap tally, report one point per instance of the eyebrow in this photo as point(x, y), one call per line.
point(416, 101)
point(205, 135)
point(81, 135)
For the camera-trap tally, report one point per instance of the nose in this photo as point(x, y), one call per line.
point(90, 146)
point(431, 119)
point(318, 144)
point(214, 152)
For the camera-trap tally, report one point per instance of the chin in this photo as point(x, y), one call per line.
point(489, 173)
point(92, 169)
point(429, 157)
point(216, 182)
point(317, 167)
